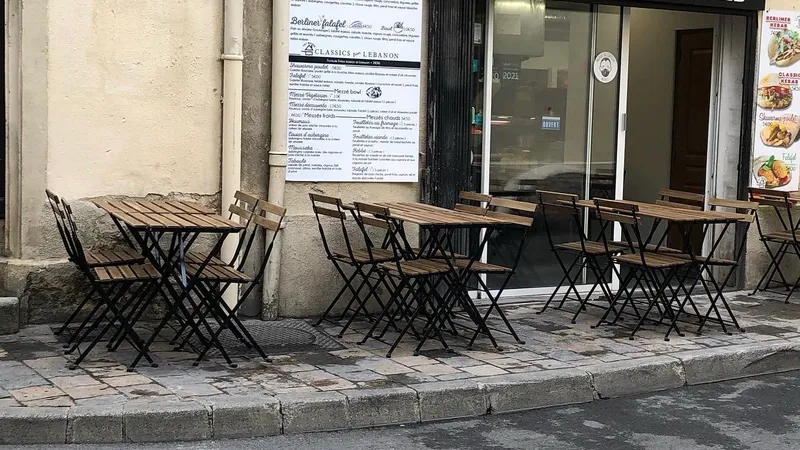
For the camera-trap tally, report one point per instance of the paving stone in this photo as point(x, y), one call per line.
point(127, 380)
point(194, 390)
point(350, 353)
point(54, 401)
point(144, 390)
point(484, 370)
point(291, 368)
point(244, 417)
point(524, 391)
point(8, 403)
point(451, 400)
point(374, 407)
point(550, 364)
point(323, 381)
point(70, 382)
point(454, 376)
point(4, 394)
point(508, 363)
point(316, 411)
point(96, 390)
point(19, 426)
point(634, 377)
point(35, 393)
point(364, 375)
point(413, 361)
point(103, 400)
point(16, 375)
point(156, 420)
point(524, 356)
point(436, 369)
point(96, 424)
point(461, 361)
point(383, 366)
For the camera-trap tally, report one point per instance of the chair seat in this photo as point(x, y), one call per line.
point(481, 267)
point(362, 256)
point(416, 268)
point(221, 274)
point(653, 260)
point(781, 236)
point(115, 257)
point(710, 261)
point(125, 272)
point(592, 247)
point(663, 249)
point(194, 257)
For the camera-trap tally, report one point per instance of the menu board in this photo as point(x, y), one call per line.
point(775, 164)
point(354, 90)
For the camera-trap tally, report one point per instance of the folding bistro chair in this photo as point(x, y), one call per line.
point(787, 239)
point(584, 252)
point(471, 203)
point(748, 209)
point(217, 279)
point(515, 212)
point(417, 279)
point(651, 271)
point(111, 283)
point(362, 260)
point(243, 209)
point(120, 255)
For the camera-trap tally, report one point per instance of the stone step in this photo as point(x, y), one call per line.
point(9, 315)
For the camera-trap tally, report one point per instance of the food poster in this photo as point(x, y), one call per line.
point(775, 164)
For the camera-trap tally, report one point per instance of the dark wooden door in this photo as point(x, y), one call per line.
point(694, 58)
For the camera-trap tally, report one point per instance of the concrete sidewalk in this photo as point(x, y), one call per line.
point(41, 401)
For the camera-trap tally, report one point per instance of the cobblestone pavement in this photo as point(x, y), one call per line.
point(33, 368)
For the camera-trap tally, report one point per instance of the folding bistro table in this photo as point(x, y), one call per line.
point(148, 223)
point(685, 220)
point(440, 222)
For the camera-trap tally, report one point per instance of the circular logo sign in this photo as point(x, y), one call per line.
point(605, 67)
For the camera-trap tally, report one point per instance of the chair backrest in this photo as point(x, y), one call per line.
point(382, 214)
point(558, 203)
point(515, 212)
point(333, 208)
point(370, 217)
point(473, 203)
point(243, 209)
point(678, 199)
point(61, 224)
point(748, 209)
point(268, 217)
point(625, 214)
point(72, 233)
point(781, 201)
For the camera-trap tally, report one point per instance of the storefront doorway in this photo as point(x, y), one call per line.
point(593, 100)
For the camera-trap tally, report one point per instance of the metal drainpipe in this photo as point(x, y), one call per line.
point(277, 151)
point(231, 119)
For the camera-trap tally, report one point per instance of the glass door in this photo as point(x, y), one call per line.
point(547, 122)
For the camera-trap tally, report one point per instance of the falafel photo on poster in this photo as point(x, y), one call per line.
point(775, 164)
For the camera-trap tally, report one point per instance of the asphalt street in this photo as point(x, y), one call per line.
point(758, 413)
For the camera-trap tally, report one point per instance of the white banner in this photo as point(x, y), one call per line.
point(354, 90)
point(775, 164)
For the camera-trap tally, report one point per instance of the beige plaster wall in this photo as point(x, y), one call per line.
point(134, 91)
point(790, 5)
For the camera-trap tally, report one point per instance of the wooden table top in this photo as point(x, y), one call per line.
point(167, 215)
point(428, 215)
point(674, 214)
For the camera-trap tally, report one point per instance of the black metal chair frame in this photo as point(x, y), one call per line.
point(782, 204)
point(110, 305)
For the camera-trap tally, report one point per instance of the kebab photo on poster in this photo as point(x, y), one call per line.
point(784, 48)
point(775, 172)
point(773, 94)
point(780, 133)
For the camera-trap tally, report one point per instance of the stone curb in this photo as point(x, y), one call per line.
point(154, 420)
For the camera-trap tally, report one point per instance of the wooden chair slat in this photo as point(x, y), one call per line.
point(616, 217)
point(272, 208)
point(374, 222)
point(239, 211)
point(318, 198)
point(474, 197)
point(678, 205)
point(617, 205)
point(470, 209)
point(550, 196)
point(673, 194)
point(513, 218)
point(736, 204)
point(372, 209)
point(127, 273)
point(114, 272)
point(245, 197)
point(330, 212)
point(513, 204)
point(102, 274)
point(263, 222)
